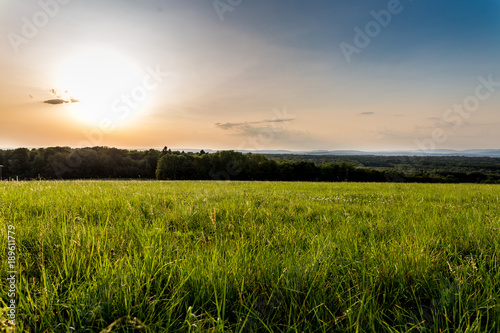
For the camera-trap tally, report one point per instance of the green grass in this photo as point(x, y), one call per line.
point(253, 257)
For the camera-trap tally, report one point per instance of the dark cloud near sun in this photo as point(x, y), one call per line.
point(59, 99)
point(55, 101)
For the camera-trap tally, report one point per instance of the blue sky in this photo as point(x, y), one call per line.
point(269, 75)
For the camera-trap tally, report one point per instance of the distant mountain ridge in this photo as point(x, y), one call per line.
point(436, 152)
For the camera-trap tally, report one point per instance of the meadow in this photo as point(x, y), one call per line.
point(153, 256)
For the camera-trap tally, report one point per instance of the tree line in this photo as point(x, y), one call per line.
point(114, 163)
point(231, 165)
point(82, 163)
point(442, 169)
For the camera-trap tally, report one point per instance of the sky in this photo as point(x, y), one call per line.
point(250, 74)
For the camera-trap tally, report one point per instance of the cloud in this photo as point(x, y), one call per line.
point(60, 99)
point(265, 131)
point(366, 113)
point(228, 126)
point(56, 101)
point(269, 129)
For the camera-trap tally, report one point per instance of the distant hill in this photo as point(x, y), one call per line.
point(436, 152)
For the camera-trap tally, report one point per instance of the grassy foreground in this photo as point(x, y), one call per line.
point(253, 257)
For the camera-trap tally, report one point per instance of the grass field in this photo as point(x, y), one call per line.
point(253, 257)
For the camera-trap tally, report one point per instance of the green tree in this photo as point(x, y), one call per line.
point(19, 164)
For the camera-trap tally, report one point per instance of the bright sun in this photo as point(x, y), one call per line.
point(98, 79)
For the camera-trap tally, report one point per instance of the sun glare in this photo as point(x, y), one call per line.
point(98, 79)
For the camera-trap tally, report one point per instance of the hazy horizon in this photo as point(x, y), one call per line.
point(250, 75)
